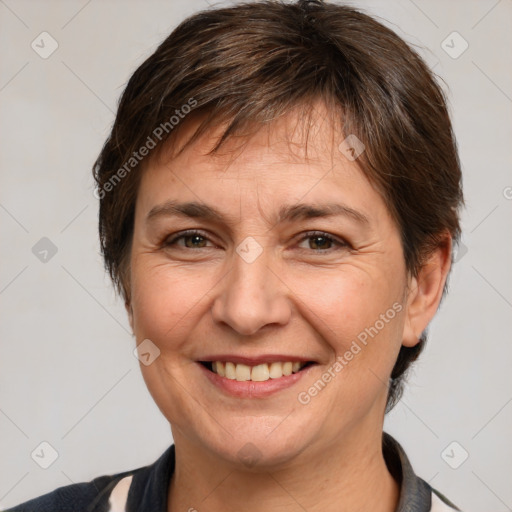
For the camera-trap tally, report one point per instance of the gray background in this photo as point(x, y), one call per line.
point(67, 372)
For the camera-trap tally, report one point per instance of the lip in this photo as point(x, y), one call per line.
point(254, 361)
point(253, 389)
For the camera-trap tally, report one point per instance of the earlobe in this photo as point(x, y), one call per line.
point(426, 291)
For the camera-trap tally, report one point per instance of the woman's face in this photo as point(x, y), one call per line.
point(259, 258)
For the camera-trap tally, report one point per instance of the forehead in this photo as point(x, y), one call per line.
point(300, 150)
point(288, 171)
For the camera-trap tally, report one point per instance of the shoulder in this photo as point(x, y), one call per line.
point(106, 493)
point(87, 496)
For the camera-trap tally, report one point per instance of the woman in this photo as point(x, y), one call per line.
point(278, 204)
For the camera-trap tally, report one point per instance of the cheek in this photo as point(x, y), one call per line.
point(165, 302)
point(359, 316)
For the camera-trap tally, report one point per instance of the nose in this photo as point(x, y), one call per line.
point(251, 296)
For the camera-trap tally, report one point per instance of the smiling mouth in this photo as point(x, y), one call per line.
point(258, 373)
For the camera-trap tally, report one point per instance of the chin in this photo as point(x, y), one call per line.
point(262, 448)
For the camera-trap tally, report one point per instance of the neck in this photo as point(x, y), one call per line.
point(346, 476)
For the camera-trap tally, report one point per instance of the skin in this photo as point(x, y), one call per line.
point(302, 296)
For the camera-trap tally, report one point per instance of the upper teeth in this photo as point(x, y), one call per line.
point(259, 373)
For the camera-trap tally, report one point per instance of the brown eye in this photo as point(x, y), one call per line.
point(322, 242)
point(194, 241)
point(191, 240)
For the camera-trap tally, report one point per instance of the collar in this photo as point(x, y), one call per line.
point(415, 493)
point(149, 487)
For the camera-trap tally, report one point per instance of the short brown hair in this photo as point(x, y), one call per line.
point(251, 63)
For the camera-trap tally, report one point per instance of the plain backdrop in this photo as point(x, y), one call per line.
point(68, 376)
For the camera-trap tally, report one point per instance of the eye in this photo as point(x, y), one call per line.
point(192, 240)
point(322, 242)
point(318, 241)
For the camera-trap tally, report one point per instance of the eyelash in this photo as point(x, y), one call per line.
point(309, 234)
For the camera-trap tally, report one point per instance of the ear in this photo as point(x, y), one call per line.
point(425, 292)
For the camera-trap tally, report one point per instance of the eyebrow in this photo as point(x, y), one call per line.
point(287, 213)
